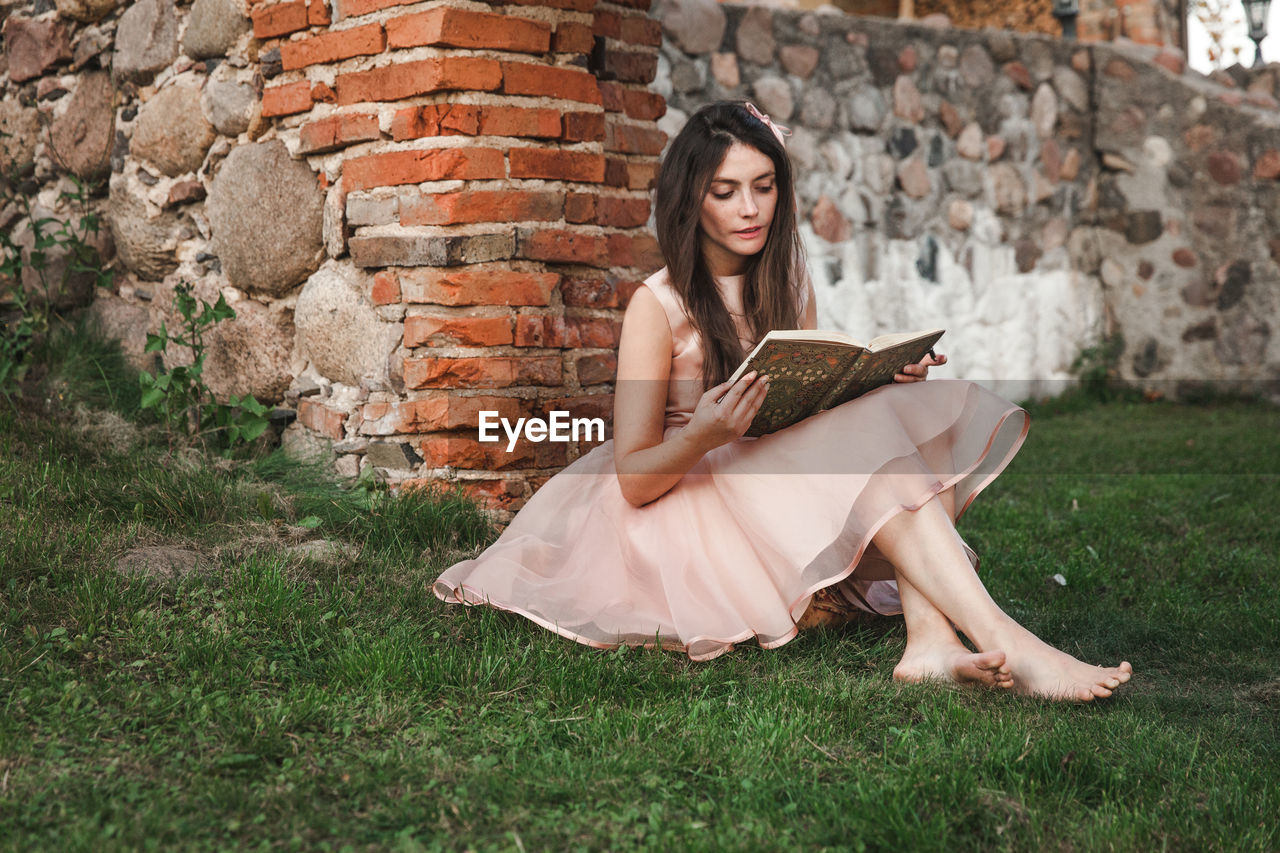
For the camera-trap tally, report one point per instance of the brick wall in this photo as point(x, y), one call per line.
point(492, 172)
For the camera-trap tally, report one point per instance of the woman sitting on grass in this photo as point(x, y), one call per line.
point(681, 533)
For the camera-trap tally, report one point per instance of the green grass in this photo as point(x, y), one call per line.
point(275, 702)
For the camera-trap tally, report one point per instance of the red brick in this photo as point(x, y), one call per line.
point(591, 331)
point(615, 172)
point(642, 175)
point(481, 284)
point(332, 46)
point(560, 245)
point(280, 19)
point(644, 105)
point(556, 165)
point(482, 206)
point(638, 250)
point(322, 94)
point(613, 96)
point(641, 30)
point(622, 212)
point(572, 5)
point(434, 330)
point(286, 99)
point(583, 127)
point(385, 289)
point(432, 164)
point(466, 451)
point(571, 37)
point(337, 131)
point(320, 418)
point(581, 406)
point(540, 330)
point(633, 139)
point(318, 14)
point(406, 79)
point(607, 24)
point(522, 78)
point(351, 8)
point(595, 368)
point(440, 411)
point(482, 371)
point(642, 5)
point(631, 66)
point(449, 26)
point(591, 292)
point(579, 207)
point(506, 494)
point(473, 120)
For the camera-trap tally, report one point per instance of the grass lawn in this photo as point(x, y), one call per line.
point(277, 700)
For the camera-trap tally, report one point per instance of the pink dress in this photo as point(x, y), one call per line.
point(737, 548)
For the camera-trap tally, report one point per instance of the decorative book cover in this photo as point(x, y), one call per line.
point(812, 371)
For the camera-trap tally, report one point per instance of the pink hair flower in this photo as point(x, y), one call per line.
point(778, 130)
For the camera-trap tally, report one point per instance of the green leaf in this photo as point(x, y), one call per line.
point(154, 342)
point(151, 398)
point(311, 522)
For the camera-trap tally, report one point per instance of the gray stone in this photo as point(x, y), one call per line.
point(85, 11)
point(251, 353)
point(866, 110)
point(755, 40)
point(146, 40)
point(19, 131)
point(91, 42)
point(32, 47)
point(948, 56)
point(411, 250)
point(914, 177)
point(817, 108)
point(1044, 111)
point(963, 176)
point(125, 322)
point(1237, 278)
point(837, 152)
point(1037, 55)
point(976, 67)
point(392, 454)
point(1006, 191)
point(1243, 340)
point(902, 142)
point(960, 214)
point(1003, 47)
point(799, 59)
point(843, 61)
point(1147, 358)
point(878, 173)
point(696, 26)
point(82, 136)
point(305, 444)
point(340, 331)
point(1071, 87)
point(171, 131)
point(144, 243)
point(802, 145)
point(266, 211)
point(213, 28)
point(230, 105)
point(773, 96)
point(688, 76)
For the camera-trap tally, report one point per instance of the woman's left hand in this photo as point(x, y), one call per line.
point(920, 371)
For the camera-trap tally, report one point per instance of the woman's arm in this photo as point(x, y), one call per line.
point(648, 467)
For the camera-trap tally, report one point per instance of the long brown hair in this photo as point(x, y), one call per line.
point(774, 274)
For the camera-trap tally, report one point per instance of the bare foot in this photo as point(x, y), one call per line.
point(953, 662)
point(1041, 670)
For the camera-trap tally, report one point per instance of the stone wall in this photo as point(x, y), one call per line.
point(417, 210)
point(1028, 194)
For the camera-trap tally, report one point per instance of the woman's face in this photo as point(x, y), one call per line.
point(738, 209)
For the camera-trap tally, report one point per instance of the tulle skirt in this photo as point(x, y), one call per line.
point(738, 547)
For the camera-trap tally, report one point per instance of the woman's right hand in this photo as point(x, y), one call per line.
point(714, 424)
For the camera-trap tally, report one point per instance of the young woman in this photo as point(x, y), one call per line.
point(681, 533)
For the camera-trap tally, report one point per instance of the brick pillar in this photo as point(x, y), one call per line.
point(488, 168)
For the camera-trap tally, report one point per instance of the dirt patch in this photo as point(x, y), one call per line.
point(105, 429)
point(164, 563)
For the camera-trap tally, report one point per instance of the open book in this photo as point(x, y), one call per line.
point(811, 371)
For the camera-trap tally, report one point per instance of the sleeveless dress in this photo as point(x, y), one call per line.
point(740, 545)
